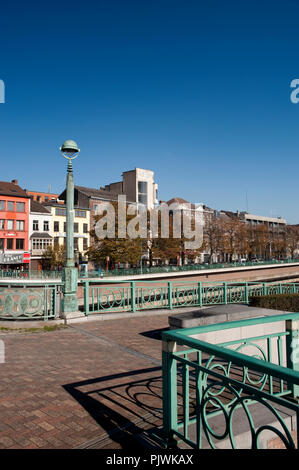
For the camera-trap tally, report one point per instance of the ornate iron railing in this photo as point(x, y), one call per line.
point(175, 268)
point(146, 295)
point(18, 274)
point(252, 378)
point(30, 301)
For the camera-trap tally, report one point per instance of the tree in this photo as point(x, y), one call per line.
point(213, 235)
point(54, 257)
point(292, 239)
point(117, 249)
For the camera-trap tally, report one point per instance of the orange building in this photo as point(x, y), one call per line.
point(42, 197)
point(14, 226)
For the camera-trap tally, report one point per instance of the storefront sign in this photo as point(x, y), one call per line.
point(11, 259)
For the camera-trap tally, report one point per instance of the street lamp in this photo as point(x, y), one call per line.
point(69, 303)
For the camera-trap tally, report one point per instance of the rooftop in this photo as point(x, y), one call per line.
point(12, 189)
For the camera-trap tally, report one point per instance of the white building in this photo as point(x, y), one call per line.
point(40, 226)
point(138, 185)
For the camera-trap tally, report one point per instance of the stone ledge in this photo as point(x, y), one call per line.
point(219, 314)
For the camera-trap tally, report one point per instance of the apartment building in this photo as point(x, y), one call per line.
point(14, 226)
point(40, 238)
point(81, 227)
point(138, 185)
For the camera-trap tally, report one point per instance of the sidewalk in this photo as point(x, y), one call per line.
point(87, 385)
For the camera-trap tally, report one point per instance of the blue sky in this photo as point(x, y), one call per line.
point(197, 91)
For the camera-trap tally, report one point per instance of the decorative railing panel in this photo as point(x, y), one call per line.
point(29, 303)
point(209, 389)
point(107, 295)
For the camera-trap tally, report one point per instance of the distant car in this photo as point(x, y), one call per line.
point(243, 260)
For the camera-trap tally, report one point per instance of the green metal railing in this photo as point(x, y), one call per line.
point(207, 387)
point(18, 274)
point(30, 301)
point(188, 267)
point(111, 296)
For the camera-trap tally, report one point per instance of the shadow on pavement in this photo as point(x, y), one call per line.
point(124, 405)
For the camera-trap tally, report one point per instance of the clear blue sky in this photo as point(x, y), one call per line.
point(198, 91)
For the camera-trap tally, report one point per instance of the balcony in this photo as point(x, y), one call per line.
point(232, 385)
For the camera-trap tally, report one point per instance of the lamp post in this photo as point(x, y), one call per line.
point(69, 303)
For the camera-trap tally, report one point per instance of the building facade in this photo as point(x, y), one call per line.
point(81, 228)
point(40, 229)
point(138, 185)
point(41, 197)
point(14, 226)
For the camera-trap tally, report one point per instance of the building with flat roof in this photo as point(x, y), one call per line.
point(138, 185)
point(42, 197)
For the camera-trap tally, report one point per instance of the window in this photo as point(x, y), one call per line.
point(19, 244)
point(85, 228)
point(20, 225)
point(38, 198)
point(60, 211)
point(10, 206)
point(95, 208)
point(79, 213)
point(35, 225)
point(75, 243)
point(56, 226)
point(2, 205)
point(46, 225)
point(142, 192)
point(1, 243)
point(84, 243)
point(20, 206)
point(9, 224)
point(9, 244)
point(64, 226)
point(56, 241)
point(76, 227)
point(46, 198)
point(41, 243)
point(2, 222)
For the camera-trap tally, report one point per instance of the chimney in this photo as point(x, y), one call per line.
point(14, 181)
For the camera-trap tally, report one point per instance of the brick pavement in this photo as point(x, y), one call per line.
point(62, 389)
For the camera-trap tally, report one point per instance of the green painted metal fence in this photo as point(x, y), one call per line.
point(183, 268)
point(18, 274)
point(112, 296)
point(206, 387)
point(30, 301)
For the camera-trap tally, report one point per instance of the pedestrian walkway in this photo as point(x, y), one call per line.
point(87, 385)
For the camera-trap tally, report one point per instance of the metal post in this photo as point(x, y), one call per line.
point(69, 273)
point(169, 390)
point(292, 350)
point(199, 289)
point(225, 293)
point(86, 297)
point(133, 298)
point(170, 295)
point(246, 293)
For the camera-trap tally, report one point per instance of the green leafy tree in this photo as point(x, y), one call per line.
point(54, 257)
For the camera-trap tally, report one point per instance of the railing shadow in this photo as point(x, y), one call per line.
point(123, 405)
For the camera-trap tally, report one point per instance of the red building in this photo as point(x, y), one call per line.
point(42, 197)
point(14, 226)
